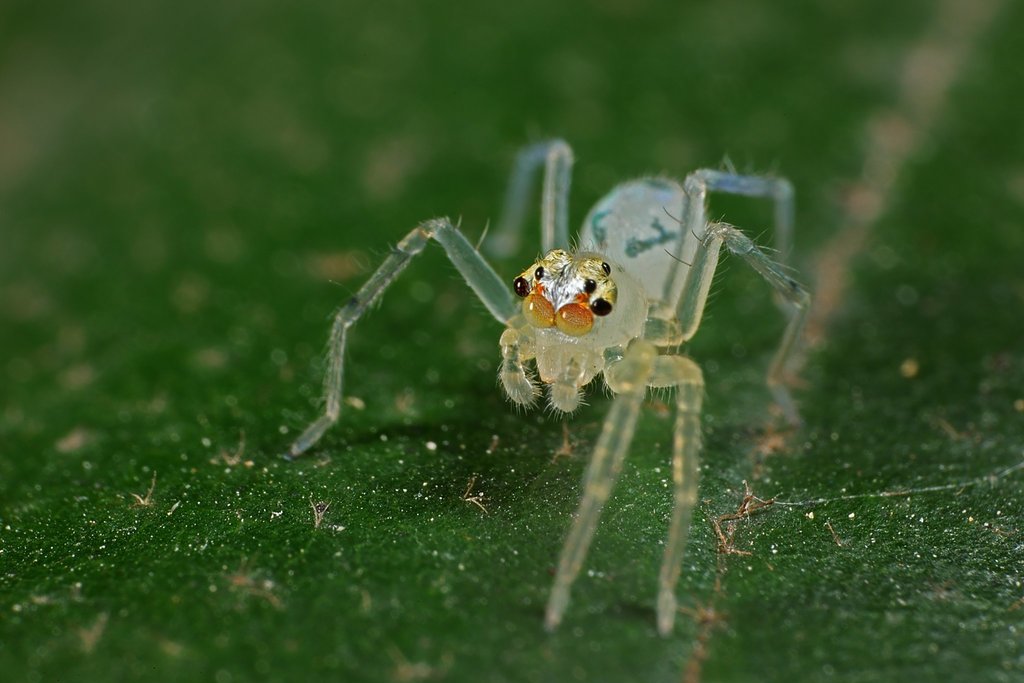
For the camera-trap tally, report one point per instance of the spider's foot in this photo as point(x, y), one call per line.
point(311, 434)
point(784, 400)
point(666, 611)
point(557, 603)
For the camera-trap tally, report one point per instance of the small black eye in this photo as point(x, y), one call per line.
point(589, 286)
point(601, 307)
point(521, 285)
point(606, 268)
point(538, 274)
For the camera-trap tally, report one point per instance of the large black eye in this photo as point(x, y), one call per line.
point(521, 285)
point(589, 286)
point(601, 307)
point(606, 268)
point(538, 274)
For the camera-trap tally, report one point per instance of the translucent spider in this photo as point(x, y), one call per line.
point(620, 306)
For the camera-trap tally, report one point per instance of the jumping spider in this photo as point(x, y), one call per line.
point(620, 306)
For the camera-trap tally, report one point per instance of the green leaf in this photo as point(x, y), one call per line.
point(188, 192)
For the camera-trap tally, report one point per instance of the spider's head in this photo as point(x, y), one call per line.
point(566, 291)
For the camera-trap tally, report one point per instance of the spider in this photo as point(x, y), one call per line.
point(619, 306)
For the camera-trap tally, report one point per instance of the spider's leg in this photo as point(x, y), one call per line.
point(557, 158)
point(478, 274)
point(792, 294)
point(702, 181)
point(683, 374)
point(628, 378)
point(779, 190)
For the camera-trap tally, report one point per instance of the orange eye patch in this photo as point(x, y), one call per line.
point(574, 319)
point(538, 311)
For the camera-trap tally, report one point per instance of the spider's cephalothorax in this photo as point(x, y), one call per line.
point(576, 306)
point(566, 291)
point(620, 312)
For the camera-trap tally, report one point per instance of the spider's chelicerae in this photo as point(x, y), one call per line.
point(620, 305)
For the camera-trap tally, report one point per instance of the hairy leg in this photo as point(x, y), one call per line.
point(702, 181)
point(628, 379)
point(479, 275)
point(792, 294)
point(685, 376)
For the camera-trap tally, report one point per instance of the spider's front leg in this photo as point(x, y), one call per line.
point(628, 379)
point(478, 274)
point(685, 376)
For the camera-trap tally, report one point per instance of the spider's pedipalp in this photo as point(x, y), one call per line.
point(516, 349)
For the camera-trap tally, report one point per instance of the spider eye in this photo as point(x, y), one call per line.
point(521, 286)
point(606, 268)
point(538, 311)
point(601, 307)
point(589, 286)
point(538, 274)
point(574, 320)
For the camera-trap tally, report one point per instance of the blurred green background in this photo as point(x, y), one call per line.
point(187, 191)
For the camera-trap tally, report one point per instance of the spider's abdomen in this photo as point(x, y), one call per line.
point(637, 226)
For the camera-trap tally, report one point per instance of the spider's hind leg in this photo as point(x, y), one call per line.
point(779, 190)
point(557, 159)
point(478, 274)
point(793, 296)
point(702, 181)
